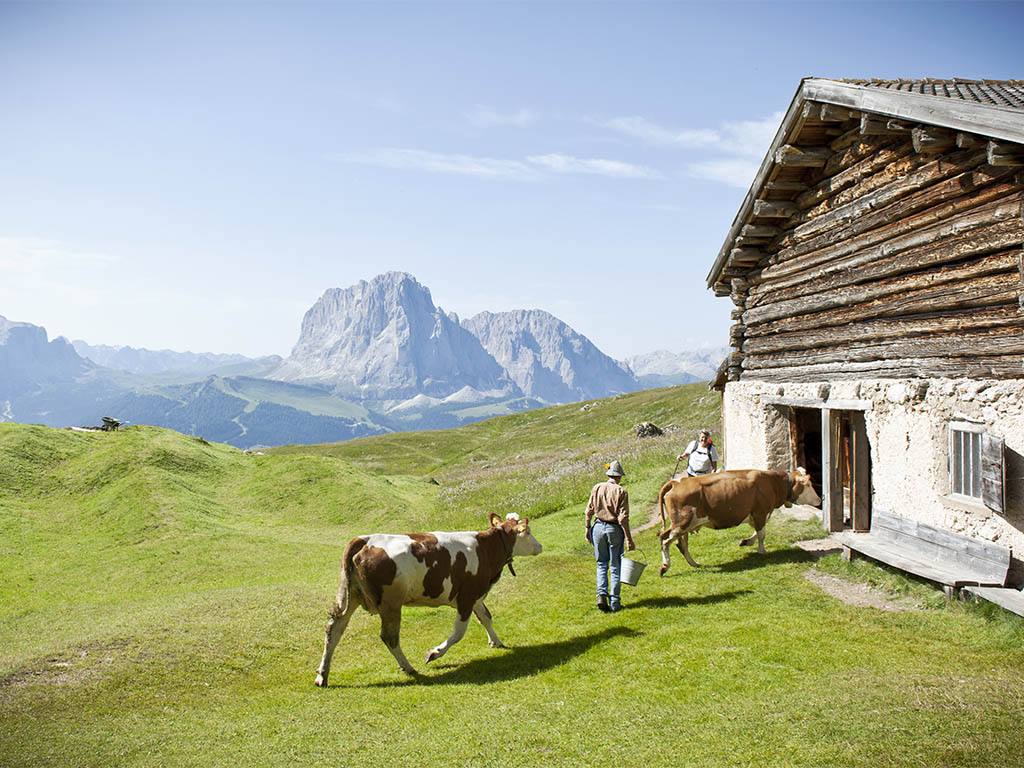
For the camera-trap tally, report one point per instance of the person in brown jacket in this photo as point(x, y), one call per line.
point(609, 503)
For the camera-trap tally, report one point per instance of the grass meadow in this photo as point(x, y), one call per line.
point(162, 603)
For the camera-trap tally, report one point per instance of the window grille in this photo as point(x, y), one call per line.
point(977, 467)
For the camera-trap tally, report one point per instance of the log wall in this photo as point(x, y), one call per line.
point(887, 250)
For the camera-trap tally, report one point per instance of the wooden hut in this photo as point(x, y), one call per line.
point(876, 268)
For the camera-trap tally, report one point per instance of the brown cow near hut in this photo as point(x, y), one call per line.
point(383, 572)
point(724, 500)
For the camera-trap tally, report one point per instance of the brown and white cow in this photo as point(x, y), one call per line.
point(382, 572)
point(724, 500)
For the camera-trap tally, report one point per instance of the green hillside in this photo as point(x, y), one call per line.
point(162, 603)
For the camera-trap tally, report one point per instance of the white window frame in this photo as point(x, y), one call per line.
point(965, 474)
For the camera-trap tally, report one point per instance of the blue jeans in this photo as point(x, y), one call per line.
point(608, 544)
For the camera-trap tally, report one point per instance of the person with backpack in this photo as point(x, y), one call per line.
point(703, 456)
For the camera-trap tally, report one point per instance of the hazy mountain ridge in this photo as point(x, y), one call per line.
point(662, 368)
point(547, 359)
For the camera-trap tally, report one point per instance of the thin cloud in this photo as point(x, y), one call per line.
point(532, 169)
point(735, 172)
point(436, 162)
point(742, 137)
point(38, 256)
point(599, 166)
point(482, 116)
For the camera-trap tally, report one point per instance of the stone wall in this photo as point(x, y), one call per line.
point(908, 429)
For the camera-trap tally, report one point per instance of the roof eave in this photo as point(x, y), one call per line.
point(988, 120)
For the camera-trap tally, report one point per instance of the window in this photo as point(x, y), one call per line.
point(976, 467)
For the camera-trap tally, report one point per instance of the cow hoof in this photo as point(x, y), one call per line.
point(431, 655)
point(661, 571)
point(320, 682)
point(745, 543)
point(498, 644)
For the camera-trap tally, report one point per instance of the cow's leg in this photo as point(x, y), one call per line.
point(683, 543)
point(335, 629)
point(667, 539)
point(457, 632)
point(484, 617)
point(757, 536)
point(390, 625)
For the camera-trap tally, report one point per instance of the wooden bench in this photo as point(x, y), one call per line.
point(932, 553)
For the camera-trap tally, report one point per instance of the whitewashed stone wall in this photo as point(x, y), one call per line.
point(908, 428)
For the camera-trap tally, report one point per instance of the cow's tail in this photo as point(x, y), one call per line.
point(661, 502)
point(341, 602)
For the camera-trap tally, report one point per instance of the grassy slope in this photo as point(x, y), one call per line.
point(162, 603)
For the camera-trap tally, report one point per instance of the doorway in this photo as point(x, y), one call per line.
point(846, 471)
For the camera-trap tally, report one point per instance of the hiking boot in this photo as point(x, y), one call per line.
point(602, 603)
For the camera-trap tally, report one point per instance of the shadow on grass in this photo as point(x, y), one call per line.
point(674, 601)
point(522, 661)
point(756, 560)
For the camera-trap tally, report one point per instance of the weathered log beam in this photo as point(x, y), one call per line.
point(995, 343)
point(848, 295)
point(830, 113)
point(863, 168)
point(1005, 154)
point(877, 125)
point(970, 141)
point(786, 186)
point(972, 293)
point(969, 238)
point(802, 157)
point(920, 210)
point(926, 175)
point(1008, 367)
point(774, 209)
point(931, 139)
point(746, 256)
point(759, 231)
point(957, 322)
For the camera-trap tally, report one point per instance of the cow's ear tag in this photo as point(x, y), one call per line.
point(788, 504)
point(521, 528)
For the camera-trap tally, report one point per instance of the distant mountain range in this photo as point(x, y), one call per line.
point(373, 358)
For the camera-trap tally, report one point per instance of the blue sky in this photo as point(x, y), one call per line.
point(194, 175)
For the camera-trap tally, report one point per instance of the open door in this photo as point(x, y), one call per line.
point(846, 481)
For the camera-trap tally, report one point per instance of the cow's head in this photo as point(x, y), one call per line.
point(524, 544)
point(801, 491)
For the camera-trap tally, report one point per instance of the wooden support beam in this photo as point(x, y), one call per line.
point(802, 157)
point(1005, 154)
point(830, 113)
point(970, 141)
point(746, 255)
point(876, 125)
point(931, 139)
point(786, 186)
point(775, 209)
point(759, 231)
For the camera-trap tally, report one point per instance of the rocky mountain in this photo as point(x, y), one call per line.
point(547, 359)
point(148, 362)
point(28, 359)
point(663, 368)
point(385, 340)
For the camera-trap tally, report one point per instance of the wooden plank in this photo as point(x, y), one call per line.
point(1005, 597)
point(760, 230)
point(860, 483)
point(831, 479)
point(993, 473)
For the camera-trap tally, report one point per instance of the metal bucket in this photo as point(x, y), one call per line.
point(631, 570)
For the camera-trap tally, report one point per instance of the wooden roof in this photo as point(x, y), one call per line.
point(990, 109)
